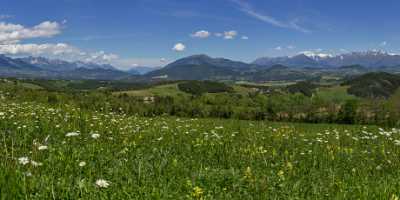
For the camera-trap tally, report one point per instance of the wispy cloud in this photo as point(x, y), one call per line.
point(281, 48)
point(201, 34)
point(230, 35)
point(5, 17)
point(100, 37)
point(249, 10)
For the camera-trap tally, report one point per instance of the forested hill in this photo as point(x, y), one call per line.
point(374, 85)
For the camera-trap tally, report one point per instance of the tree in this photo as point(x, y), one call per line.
point(348, 112)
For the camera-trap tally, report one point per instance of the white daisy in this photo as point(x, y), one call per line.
point(82, 164)
point(72, 134)
point(23, 160)
point(41, 148)
point(95, 135)
point(101, 183)
point(29, 174)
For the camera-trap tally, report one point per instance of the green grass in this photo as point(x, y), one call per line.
point(30, 86)
point(173, 90)
point(172, 158)
point(161, 90)
point(335, 93)
point(269, 83)
point(242, 90)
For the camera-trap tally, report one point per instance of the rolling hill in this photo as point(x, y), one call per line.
point(200, 67)
point(374, 85)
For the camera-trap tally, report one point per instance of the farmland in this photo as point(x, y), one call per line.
point(64, 152)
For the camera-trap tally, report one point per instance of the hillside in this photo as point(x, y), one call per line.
point(278, 73)
point(192, 72)
point(374, 85)
point(201, 87)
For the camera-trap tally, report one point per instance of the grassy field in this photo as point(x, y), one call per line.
point(334, 93)
point(65, 153)
point(161, 90)
point(173, 90)
point(270, 83)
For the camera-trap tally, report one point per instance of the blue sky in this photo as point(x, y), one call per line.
point(127, 33)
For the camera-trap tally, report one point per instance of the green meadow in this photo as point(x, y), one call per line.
point(64, 152)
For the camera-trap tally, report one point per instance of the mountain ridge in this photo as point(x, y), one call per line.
point(40, 67)
point(370, 59)
point(203, 67)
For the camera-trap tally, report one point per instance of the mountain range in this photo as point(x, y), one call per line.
point(370, 59)
point(203, 67)
point(39, 67)
point(141, 70)
point(302, 66)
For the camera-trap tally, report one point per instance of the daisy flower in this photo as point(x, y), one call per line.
point(101, 183)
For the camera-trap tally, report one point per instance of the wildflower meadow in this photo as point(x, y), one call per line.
point(66, 153)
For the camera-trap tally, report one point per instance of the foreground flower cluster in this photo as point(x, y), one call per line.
point(68, 153)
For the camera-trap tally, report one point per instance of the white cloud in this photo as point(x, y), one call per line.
point(100, 57)
point(382, 44)
point(179, 47)
point(218, 34)
point(11, 36)
point(5, 17)
point(13, 33)
point(281, 48)
point(248, 9)
point(38, 49)
point(290, 47)
point(60, 50)
point(229, 35)
point(201, 34)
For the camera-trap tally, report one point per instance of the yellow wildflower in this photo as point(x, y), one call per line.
point(197, 192)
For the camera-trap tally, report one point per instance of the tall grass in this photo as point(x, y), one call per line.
point(65, 153)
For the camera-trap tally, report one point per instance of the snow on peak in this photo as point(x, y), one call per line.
point(316, 55)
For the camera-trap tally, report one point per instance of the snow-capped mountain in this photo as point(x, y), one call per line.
point(39, 67)
point(369, 59)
